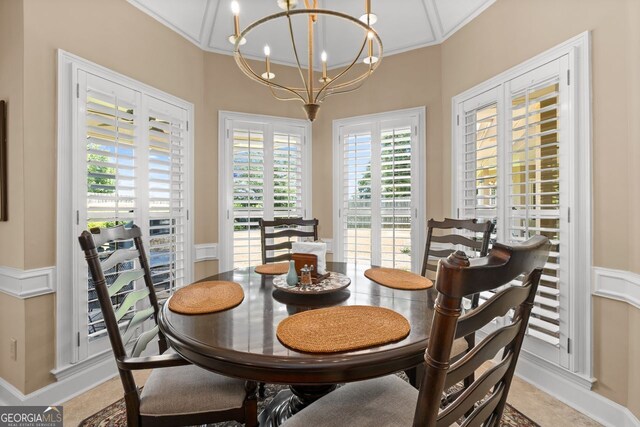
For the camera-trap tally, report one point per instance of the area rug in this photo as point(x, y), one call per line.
point(115, 415)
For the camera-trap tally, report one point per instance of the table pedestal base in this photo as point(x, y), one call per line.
point(288, 402)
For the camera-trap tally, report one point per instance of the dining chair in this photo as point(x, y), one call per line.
point(176, 392)
point(284, 228)
point(475, 242)
point(390, 401)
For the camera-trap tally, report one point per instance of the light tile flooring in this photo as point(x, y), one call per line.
point(535, 404)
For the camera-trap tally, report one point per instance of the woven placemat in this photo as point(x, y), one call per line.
point(347, 328)
point(206, 297)
point(273, 269)
point(398, 279)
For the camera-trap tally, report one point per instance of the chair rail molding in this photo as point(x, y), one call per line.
point(27, 283)
point(206, 252)
point(617, 284)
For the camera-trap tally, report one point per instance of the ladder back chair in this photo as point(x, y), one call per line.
point(390, 401)
point(478, 244)
point(176, 393)
point(284, 228)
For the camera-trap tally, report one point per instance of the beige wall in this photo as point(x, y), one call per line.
point(503, 36)
point(510, 32)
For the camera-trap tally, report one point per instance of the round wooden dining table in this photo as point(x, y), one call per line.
point(242, 342)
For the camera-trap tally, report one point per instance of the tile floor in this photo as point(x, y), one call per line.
point(535, 404)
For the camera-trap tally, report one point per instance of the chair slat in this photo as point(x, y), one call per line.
point(482, 352)
point(468, 224)
point(441, 253)
point(138, 319)
point(498, 305)
point(457, 239)
point(476, 391)
point(290, 221)
point(144, 339)
point(124, 279)
point(484, 410)
point(114, 234)
point(277, 246)
point(289, 233)
point(282, 257)
point(130, 300)
point(117, 257)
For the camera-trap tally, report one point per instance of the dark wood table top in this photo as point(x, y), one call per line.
point(242, 342)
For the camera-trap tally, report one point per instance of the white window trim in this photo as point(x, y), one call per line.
point(420, 206)
point(578, 49)
point(225, 198)
point(67, 240)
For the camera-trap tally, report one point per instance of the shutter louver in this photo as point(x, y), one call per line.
point(167, 206)
point(395, 202)
point(248, 193)
point(357, 197)
point(110, 122)
point(534, 193)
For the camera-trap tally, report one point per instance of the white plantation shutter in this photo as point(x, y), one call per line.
point(108, 126)
point(167, 127)
point(512, 167)
point(395, 195)
point(131, 167)
point(263, 163)
point(287, 173)
point(248, 192)
point(536, 192)
point(479, 180)
point(378, 222)
point(357, 190)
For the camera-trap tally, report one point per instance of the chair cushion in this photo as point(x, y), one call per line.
point(189, 389)
point(460, 345)
point(386, 401)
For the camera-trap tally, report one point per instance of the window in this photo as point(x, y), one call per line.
point(266, 164)
point(126, 162)
point(516, 160)
point(380, 205)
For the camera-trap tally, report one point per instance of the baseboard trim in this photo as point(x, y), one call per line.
point(617, 284)
point(590, 403)
point(206, 252)
point(60, 391)
point(27, 283)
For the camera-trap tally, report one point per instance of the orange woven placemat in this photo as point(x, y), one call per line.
point(398, 279)
point(273, 269)
point(347, 328)
point(206, 297)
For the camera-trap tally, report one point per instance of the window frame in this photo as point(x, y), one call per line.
point(372, 121)
point(225, 182)
point(68, 358)
point(577, 49)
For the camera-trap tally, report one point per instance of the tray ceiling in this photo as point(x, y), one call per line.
point(402, 24)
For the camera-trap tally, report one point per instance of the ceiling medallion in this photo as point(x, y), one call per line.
point(310, 93)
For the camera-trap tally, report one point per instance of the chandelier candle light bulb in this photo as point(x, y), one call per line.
point(349, 78)
point(268, 75)
point(235, 10)
point(323, 57)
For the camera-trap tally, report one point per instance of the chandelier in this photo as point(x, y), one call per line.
point(316, 85)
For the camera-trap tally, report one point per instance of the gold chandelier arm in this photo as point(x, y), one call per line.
point(248, 71)
point(295, 53)
point(343, 72)
point(279, 98)
point(340, 92)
